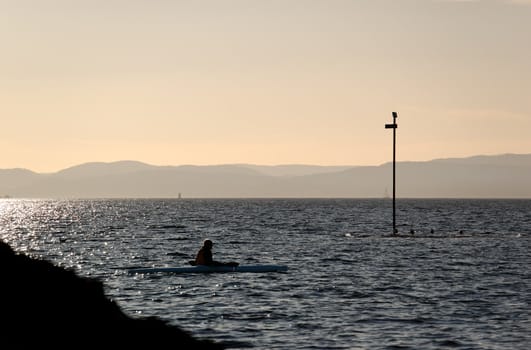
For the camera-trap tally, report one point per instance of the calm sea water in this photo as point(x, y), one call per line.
point(350, 285)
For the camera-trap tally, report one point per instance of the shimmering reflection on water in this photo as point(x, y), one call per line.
point(348, 286)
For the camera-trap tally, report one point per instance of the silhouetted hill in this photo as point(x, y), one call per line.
point(295, 169)
point(99, 169)
point(13, 178)
point(503, 176)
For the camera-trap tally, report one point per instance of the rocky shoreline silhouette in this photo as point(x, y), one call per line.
point(46, 306)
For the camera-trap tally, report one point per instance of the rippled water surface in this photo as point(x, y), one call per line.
point(466, 285)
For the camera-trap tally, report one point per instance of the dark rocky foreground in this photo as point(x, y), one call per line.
point(45, 306)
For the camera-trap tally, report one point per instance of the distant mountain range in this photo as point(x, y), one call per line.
point(501, 176)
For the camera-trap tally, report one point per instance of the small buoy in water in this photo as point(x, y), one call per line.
point(412, 231)
point(432, 231)
point(348, 235)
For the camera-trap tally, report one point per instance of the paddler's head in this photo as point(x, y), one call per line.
point(207, 243)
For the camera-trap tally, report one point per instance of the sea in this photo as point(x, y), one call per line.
point(456, 276)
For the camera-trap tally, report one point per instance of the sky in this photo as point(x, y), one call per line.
point(268, 82)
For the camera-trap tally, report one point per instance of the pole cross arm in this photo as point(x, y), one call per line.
point(391, 126)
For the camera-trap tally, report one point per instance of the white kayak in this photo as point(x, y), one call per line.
point(210, 269)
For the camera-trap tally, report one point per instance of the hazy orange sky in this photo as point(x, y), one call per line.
point(262, 81)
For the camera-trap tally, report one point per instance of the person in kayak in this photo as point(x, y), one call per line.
point(204, 256)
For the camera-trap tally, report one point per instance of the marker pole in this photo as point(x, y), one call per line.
point(394, 126)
